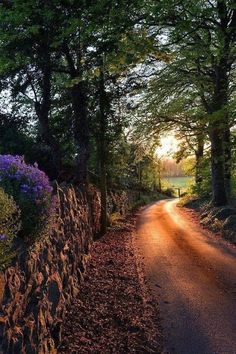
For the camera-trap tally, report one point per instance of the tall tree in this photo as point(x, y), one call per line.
point(202, 37)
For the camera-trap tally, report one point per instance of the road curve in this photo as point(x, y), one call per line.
point(193, 277)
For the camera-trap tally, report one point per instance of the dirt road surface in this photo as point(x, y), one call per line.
point(192, 275)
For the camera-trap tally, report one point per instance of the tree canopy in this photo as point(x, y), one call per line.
point(87, 88)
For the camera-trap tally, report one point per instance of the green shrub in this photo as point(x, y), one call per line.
point(9, 227)
point(146, 199)
point(143, 200)
point(187, 199)
point(203, 189)
point(233, 185)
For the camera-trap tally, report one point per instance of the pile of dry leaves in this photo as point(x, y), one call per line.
point(114, 312)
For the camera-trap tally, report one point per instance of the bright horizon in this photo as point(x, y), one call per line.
point(168, 146)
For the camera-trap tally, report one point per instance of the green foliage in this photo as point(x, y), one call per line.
point(188, 199)
point(54, 56)
point(70, 40)
point(203, 188)
point(233, 186)
point(10, 225)
point(147, 198)
point(17, 139)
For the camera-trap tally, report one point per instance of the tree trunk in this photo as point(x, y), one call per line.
point(217, 128)
point(199, 156)
point(81, 132)
point(43, 111)
point(81, 125)
point(219, 195)
point(227, 27)
point(227, 160)
point(218, 125)
point(103, 128)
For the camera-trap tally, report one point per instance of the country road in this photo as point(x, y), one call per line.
point(192, 275)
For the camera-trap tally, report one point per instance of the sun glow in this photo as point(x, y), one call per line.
point(168, 146)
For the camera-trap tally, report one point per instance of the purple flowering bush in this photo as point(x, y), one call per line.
point(9, 227)
point(31, 191)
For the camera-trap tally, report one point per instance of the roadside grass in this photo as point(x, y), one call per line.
point(147, 199)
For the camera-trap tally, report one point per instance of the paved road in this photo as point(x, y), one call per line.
point(193, 277)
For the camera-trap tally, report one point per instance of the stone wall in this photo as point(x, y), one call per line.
point(45, 277)
point(117, 202)
point(122, 201)
point(41, 284)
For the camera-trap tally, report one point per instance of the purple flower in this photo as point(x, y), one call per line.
point(29, 186)
point(14, 168)
point(3, 237)
point(24, 188)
